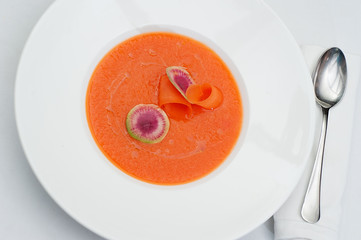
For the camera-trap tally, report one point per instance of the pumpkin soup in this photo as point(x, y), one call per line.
point(203, 124)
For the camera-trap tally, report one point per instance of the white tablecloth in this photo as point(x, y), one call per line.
point(27, 212)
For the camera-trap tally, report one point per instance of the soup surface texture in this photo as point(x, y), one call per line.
point(130, 74)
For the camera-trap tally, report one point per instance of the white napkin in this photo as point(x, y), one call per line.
point(288, 223)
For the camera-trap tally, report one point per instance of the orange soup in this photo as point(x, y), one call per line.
point(129, 75)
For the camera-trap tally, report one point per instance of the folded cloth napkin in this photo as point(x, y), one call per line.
point(288, 223)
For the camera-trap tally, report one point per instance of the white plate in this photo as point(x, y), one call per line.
point(276, 140)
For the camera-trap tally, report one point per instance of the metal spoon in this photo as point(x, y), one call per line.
point(329, 84)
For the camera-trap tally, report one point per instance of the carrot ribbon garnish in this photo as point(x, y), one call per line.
point(205, 95)
point(177, 99)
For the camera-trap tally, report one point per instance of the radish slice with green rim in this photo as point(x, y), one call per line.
point(147, 123)
point(180, 78)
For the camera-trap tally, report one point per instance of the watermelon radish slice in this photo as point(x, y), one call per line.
point(147, 123)
point(180, 78)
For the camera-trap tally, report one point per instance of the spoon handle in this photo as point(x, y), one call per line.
point(311, 205)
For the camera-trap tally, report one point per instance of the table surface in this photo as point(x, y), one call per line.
point(26, 210)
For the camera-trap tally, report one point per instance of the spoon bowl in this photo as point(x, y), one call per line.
point(330, 78)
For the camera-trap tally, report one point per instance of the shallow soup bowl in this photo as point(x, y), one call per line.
point(260, 173)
